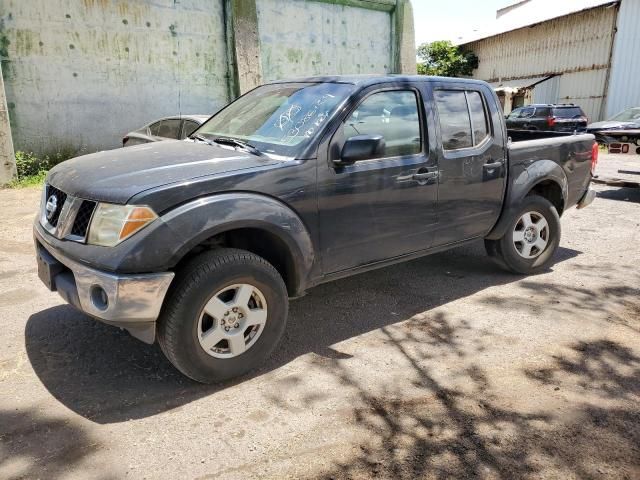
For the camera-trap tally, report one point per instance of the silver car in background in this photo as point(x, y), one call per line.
point(167, 128)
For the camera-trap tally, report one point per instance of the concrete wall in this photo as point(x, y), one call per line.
point(80, 73)
point(301, 38)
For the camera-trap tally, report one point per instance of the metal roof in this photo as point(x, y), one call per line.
point(512, 85)
point(530, 12)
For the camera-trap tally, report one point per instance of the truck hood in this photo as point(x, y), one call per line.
point(117, 175)
point(612, 125)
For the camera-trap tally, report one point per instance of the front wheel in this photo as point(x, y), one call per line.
point(224, 315)
point(531, 240)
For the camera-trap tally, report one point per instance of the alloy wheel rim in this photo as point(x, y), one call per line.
point(232, 320)
point(531, 235)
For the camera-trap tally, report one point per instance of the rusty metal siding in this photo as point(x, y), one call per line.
point(624, 83)
point(577, 47)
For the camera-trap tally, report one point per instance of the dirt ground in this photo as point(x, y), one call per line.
point(444, 367)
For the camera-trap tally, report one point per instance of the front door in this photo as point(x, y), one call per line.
point(384, 206)
point(471, 161)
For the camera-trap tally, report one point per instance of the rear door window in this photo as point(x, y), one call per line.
point(455, 124)
point(464, 121)
point(479, 121)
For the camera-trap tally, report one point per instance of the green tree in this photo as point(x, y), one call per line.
point(445, 59)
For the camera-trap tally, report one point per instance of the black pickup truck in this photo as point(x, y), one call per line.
point(200, 243)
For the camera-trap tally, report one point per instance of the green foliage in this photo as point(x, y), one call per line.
point(445, 59)
point(32, 170)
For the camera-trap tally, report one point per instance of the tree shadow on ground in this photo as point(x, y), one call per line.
point(473, 432)
point(589, 429)
point(104, 375)
point(34, 445)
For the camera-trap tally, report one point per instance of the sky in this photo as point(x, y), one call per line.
point(449, 19)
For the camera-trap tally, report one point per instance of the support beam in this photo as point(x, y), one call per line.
point(7, 157)
point(404, 41)
point(244, 40)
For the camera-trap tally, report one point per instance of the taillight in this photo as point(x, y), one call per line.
point(594, 157)
point(551, 121)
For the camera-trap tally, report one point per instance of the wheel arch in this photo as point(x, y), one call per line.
point(252, 222)
point(543, 177)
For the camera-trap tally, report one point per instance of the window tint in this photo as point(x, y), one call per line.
point(169, 128)
point(394, 115)
point(515, 113)
point(568, 112)
point(455, 127)
point(188, 128)
point(527, 112)
point(154, 128)
point(478, 117)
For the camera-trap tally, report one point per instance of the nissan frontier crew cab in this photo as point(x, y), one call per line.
point(200, 243)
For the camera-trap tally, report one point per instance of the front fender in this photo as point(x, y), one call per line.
point(522, 180)
point(196, 221)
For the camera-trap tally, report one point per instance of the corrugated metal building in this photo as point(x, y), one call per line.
point(550, 51)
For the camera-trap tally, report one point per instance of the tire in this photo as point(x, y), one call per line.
point(194, 309)
point(523, 256)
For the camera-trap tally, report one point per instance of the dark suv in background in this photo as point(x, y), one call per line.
point(562, 117)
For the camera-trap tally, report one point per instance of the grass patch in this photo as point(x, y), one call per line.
point(32, 170)
point(28, 181)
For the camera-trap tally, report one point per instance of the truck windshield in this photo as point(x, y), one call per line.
point(278, 118)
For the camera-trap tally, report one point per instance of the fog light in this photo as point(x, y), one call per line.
point(99, 297)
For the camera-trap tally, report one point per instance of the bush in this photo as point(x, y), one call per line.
point(32, 170)
point(28, 165)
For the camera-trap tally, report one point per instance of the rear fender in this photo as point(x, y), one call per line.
point(523, 180)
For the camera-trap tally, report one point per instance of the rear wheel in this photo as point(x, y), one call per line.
point(531, 240)
point(225, 314)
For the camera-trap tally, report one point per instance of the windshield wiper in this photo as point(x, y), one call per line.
point(202, 138)
point(238, 143)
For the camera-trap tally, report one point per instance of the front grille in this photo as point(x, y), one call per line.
point(83, 218)
point(60, 197)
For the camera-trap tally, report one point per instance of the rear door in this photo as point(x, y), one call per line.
point(471, 161)
point(384, 206)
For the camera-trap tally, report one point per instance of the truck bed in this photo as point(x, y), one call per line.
point(571, 151)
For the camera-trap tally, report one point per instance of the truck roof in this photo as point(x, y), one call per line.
point(372, 79)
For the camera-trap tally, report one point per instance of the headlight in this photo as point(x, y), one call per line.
point(111, 224)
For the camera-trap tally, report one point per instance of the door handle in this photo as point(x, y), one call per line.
point(493, 165)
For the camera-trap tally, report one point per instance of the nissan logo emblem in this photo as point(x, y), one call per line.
point(51, 206)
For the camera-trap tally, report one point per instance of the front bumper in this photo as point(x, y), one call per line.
point(131, 301)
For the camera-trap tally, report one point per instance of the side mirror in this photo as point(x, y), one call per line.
point(361, 147)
